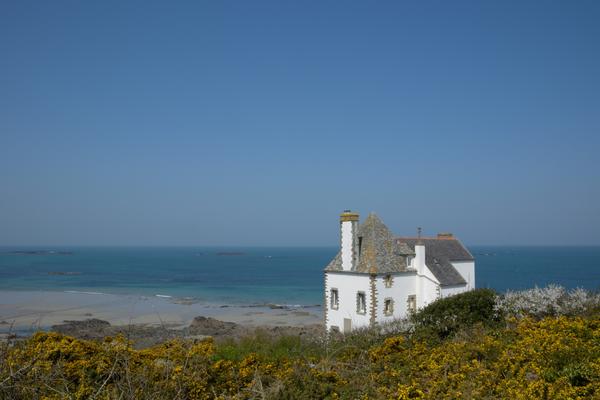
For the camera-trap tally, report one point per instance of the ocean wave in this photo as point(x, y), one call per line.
point(163, 295)
point(277, 306)
point(79, 292)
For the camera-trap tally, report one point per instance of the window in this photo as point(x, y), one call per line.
point(334, 299)
point(388, 307)
point(412, 303)
point(409, 261)
point(388, 281)
point(361, 303)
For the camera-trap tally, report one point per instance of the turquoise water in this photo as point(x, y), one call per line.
point(260, 275)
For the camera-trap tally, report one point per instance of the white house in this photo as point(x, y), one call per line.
point(376, 277)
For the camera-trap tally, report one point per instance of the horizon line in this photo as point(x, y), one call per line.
point(272, 246)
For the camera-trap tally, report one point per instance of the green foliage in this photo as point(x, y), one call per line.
point(267, 346)
point(445, 317)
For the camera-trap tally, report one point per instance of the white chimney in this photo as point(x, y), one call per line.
point(349, 239)
point(419, 254)
point(419, 257)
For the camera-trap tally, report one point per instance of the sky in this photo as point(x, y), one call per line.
point(255, 123)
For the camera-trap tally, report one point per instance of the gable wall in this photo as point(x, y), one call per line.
point(348, 285)
point(467, 270)
point(452, 290)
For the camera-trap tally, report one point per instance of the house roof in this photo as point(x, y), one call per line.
point(379, 251)
point(439, 254)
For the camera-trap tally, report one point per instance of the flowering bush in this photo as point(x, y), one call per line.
point(552, 300)
point(524, 357)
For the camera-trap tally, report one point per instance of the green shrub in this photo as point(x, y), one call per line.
point(267, 346)
point(445, 317)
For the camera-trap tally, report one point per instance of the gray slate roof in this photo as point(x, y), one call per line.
point(336, 263)
point(379, 251)
point(382, 253)
point(439, 253)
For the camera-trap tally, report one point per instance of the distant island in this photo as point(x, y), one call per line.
point(40, 252)
point(64, 273)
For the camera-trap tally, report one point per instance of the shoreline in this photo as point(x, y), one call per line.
point(24, 312)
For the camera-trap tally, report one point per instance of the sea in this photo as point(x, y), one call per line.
point(259, 275)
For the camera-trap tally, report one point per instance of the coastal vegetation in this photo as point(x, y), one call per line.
point(541, 343)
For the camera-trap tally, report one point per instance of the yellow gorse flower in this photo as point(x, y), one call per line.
point(554, 358)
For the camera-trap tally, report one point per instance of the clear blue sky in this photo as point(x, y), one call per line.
point(257, 122)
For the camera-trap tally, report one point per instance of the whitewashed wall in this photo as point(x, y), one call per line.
point(403, 285)
point(467, 270)
point(348, 285)
point(427, 289)
point(452, 290)
point(427, 284)
point(420, 282)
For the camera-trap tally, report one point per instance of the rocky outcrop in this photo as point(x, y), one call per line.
point(145, 336)
point(213, 327)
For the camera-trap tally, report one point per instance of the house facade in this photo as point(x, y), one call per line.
point(377, 277)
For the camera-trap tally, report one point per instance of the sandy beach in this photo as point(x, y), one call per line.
point(24, 312)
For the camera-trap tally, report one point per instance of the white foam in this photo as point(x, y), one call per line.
point(78, 292)
point(163, 295)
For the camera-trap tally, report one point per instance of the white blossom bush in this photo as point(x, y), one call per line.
point(396, 327)
point(553, 300)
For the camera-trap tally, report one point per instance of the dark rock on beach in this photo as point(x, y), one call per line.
point(145, 336)
point(89, 328)
point(93, 328)
point(207, 326)
point(212, 327)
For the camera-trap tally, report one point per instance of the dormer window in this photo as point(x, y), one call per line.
point(409, 261)
point(359, 245)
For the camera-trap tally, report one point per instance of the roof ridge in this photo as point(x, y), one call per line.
point(427, 238)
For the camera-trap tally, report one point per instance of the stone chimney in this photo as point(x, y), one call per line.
point(349, 239)
point(445, 236)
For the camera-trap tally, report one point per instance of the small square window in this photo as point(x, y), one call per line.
point(334, 299)
point(389, 281)
point(361, 303)
point(388, 307)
